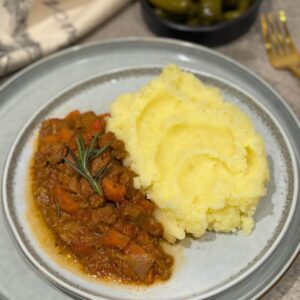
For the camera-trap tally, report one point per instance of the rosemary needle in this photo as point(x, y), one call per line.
point(80, 164)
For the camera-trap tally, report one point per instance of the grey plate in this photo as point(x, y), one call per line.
point(90, 78)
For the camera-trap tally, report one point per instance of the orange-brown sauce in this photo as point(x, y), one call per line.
point(144, 236)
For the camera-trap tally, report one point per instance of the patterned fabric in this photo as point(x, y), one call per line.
point(31, 29)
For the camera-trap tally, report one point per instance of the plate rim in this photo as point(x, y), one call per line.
point(167, 41)
point(164, 41)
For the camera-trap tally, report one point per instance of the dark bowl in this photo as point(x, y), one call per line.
point(210, 35)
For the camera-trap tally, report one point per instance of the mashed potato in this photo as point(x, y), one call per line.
point(197, 157)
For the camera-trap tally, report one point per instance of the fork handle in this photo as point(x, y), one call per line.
point(295, 71)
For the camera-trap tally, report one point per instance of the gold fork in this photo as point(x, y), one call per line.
point(281, 49)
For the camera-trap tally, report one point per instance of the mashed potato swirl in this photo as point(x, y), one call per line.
point(197, 157)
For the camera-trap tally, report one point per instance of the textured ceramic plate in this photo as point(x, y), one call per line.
point(217, 266)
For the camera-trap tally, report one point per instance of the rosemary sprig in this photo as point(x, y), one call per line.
point(81, 163)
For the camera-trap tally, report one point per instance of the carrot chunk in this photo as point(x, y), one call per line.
point(134, 249)
point(66, 134)
point(66, 201)
point(147, 205)
point(51, 139)
point(116, 239)
point(98, 125)
point(106, 115)
point(73, 114)
point(112, 190)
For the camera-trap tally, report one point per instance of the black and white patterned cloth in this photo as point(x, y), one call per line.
point(31, 29)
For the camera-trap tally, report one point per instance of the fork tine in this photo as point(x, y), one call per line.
point(287, 37)
point(273, 34)
point(265, 33)
point(280, 34)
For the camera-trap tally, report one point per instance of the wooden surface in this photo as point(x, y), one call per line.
point(249, 51)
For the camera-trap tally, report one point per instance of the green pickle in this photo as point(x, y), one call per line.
point(231, 15)
point(173, 6)
point(243, 5)
point(210, 11)
point(160, 13)
point(230, 3)
point(200, 12)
